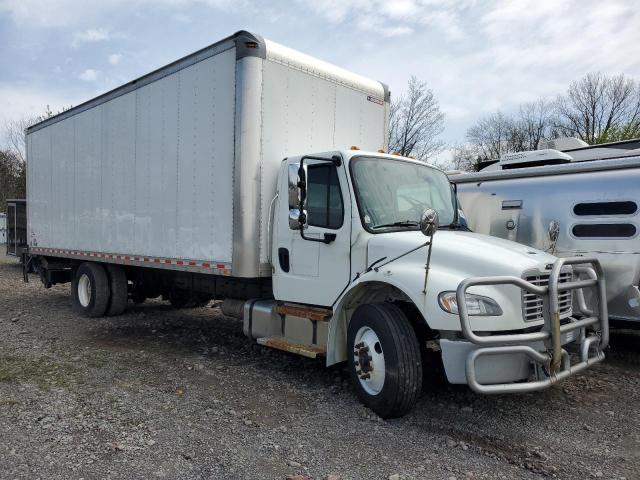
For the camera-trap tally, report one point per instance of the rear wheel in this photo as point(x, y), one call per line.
point(384, 359)
point(119, 290)
point(90, 290)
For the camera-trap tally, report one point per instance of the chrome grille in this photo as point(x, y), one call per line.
point(533, 305)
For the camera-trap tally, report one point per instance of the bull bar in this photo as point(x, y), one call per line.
point(555, 364)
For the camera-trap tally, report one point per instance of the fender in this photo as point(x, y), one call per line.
point(370, 288)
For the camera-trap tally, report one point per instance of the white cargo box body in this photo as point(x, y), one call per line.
point(178, 168)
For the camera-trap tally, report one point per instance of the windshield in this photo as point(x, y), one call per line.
point(392, 194)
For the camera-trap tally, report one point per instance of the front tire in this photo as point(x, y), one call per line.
point(384, 359)
point(90, 290)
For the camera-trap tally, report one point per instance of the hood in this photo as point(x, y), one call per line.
point(467, 253)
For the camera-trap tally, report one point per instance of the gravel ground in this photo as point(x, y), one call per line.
point(163, 393)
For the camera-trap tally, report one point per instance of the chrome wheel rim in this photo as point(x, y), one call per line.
point(369, 360)
point(84, 290)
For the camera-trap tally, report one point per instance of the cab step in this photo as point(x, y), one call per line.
point(280, 343)
point(312, 313)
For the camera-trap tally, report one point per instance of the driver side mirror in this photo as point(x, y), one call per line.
point(297, 195)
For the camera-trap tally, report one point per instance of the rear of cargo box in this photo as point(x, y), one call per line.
point(14, 224)
point(177, 169)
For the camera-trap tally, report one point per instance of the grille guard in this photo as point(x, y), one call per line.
point(555, 366)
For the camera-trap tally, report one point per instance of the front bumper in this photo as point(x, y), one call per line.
point(526, 362)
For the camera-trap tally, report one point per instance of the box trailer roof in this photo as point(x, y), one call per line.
point(247, 44)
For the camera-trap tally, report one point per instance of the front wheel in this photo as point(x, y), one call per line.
point(384, 359)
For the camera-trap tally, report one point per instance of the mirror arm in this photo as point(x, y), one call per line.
point(395, 258)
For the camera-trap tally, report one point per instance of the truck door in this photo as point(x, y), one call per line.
point(313, 268)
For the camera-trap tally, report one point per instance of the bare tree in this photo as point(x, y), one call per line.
point(536, 121)
point(596, 109)
point(498, 133)
point(14, 131)
point(492, 134)
point(13, 166)
point(12, 177)
point(597, 106)
point(415, 121)
point(464, 157)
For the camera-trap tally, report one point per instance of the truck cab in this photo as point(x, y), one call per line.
point(372, 264)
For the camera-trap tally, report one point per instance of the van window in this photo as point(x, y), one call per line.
point(605, 208)
point(324, 199)
point(604, 230)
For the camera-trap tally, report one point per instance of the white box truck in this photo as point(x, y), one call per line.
point(229, 174)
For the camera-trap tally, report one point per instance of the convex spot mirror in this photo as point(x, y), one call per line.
point(429, 222)
point(554, 230)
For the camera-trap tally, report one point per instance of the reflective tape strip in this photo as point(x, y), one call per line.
point(223, 268)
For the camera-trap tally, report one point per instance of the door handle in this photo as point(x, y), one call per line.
point(283, 259)
point(329, 237)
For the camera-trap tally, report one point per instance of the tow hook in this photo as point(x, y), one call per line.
point(361, 352)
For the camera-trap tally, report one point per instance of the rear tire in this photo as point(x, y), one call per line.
point(119, 290)
point(384, 359)
point(90, 290)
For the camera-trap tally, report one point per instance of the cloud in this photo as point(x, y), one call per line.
point(65, 13)
point(93, 35)
point(514, 52)
point(89, 75)
point(476, 56)
point(394, 18)
point(56, 13)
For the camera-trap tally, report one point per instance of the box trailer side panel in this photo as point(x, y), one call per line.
point(149, 172)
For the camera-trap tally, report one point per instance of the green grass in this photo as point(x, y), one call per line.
point(43, 373)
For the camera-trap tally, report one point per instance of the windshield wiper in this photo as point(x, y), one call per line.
point(455, 225)
point(403, 223)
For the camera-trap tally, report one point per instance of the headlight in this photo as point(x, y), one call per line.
point(476, 304)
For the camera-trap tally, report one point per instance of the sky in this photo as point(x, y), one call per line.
point(477, 56)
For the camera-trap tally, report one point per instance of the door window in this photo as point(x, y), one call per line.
point(324, 200)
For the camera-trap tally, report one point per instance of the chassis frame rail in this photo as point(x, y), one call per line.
point(556, 365)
